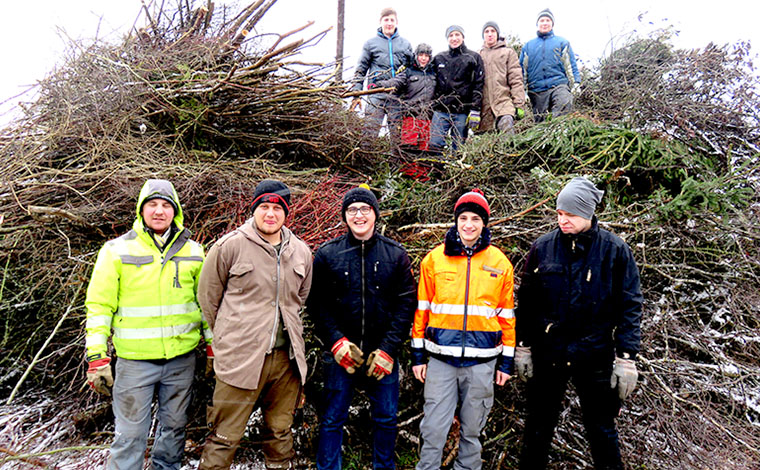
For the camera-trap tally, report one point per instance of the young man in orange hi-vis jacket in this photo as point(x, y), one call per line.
point(465, 326)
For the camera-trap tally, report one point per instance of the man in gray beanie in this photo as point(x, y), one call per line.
point(458, 92)
point(578, 319)
point(503, 91)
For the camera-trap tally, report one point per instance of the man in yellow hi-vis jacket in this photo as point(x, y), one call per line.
point(143, 290)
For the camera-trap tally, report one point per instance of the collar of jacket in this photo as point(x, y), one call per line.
point(169, 240)
point(458, 50)
point(250, 232)
point(500, 43)
point(453, 247)
point(582, 240)
point(353, 241)
point(426, 69)
point(393, 36)
point(545, 35)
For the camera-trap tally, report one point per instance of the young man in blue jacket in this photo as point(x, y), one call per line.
point(578, 319)
point(381, 58)
point(549, 70)
point(362, 302)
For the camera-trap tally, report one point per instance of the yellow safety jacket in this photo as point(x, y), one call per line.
point(146, 296)
point(465, 304)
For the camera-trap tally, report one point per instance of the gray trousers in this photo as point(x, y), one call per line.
point(446, 387)
point(133, 389)
point(557, 101)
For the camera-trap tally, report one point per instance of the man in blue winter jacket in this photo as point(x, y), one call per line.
point(381, 58)
point(549, 70)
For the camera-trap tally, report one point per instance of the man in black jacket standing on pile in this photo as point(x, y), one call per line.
point(578, 318)
point(362, 300)
point(459, 79)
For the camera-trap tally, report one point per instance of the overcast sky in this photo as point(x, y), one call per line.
point(32, 42)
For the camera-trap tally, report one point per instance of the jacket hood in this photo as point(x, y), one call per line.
point(165, 190)
point(499, 43)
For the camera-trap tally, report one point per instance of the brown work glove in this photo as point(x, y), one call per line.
point(379, 364)
point(209, 361)
point(524, 362)
point(99, 376)
point(624, 376)
point(347, 354)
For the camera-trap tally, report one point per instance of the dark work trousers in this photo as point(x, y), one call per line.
point(599, 405)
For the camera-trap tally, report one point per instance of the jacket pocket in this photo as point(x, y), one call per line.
point(183, 274)
point(239, 273)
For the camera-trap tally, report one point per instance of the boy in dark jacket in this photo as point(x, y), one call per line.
point(578, 318)
point(415, 86)
point(458, 91)
point(362, 301)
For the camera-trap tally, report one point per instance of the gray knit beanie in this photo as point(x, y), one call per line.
point(579, 197)
point(453, 28)
point(494, 26)
point(546, 12)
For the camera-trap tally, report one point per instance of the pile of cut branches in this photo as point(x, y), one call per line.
point(196, 98)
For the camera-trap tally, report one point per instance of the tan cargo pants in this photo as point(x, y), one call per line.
point(278, 391)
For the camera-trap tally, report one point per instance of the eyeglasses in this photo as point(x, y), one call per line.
point(365, 210)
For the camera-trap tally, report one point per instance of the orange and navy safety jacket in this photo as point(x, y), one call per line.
point(465, 311)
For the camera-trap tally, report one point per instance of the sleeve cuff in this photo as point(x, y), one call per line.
point(507, 365)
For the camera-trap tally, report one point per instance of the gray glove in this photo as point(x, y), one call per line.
point(524, 362)
point(624, 376)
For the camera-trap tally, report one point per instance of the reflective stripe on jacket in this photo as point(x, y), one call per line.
point(465, 304)
point(146, 297)
point(548, 61)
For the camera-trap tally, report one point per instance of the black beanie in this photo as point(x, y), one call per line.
point(271, 191)
point(360, 194)
point(474, 201)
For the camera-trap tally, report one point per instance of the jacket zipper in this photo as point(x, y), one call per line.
point(466, 300)
point(276, 303)
point(361, 340)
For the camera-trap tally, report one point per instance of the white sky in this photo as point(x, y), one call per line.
point(32, 44)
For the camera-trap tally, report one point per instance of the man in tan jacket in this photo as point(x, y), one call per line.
point(251, 289)
point(503, 91)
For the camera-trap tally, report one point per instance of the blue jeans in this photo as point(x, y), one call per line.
point(133, 389)
point(339, 390)
point(441, 125)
